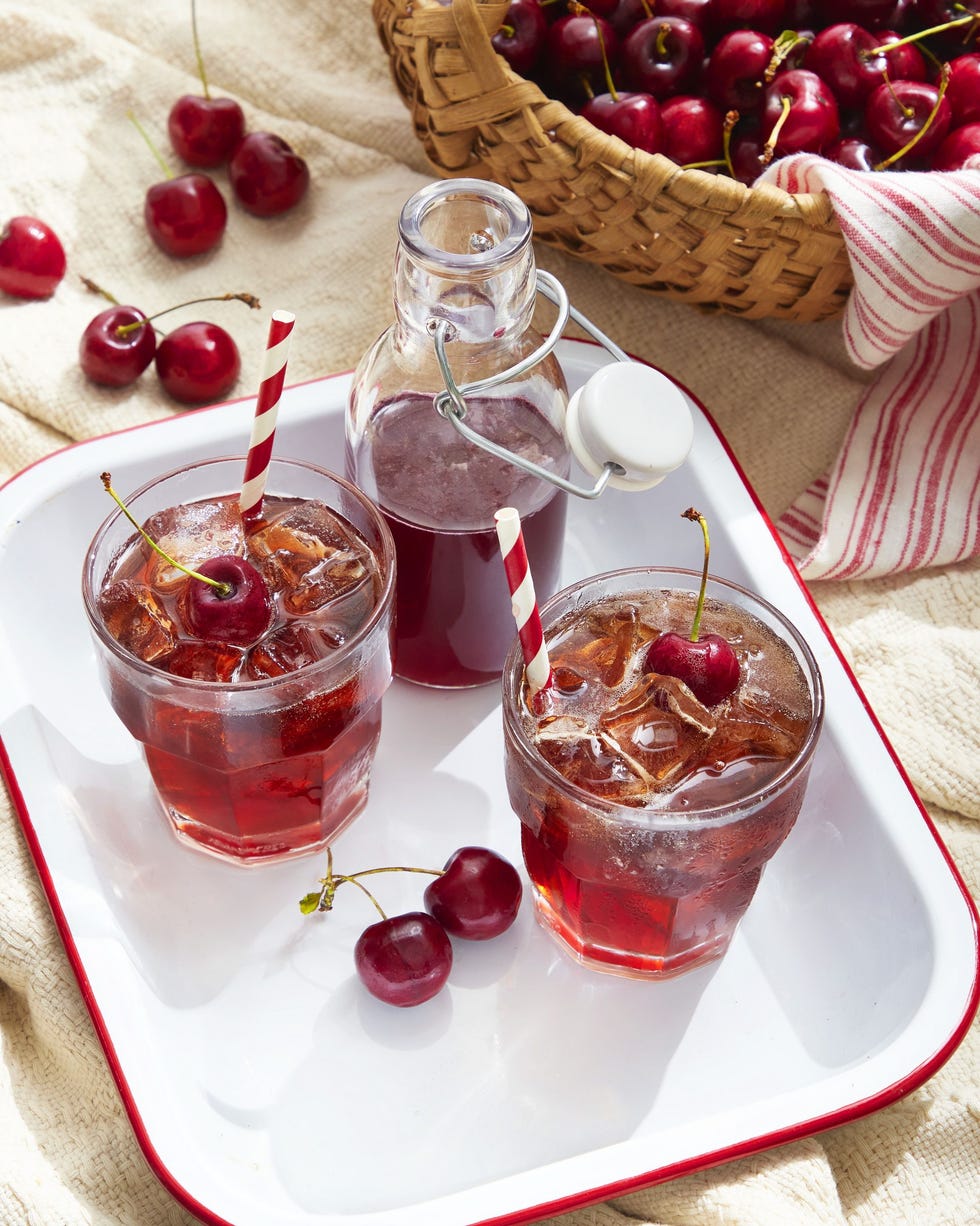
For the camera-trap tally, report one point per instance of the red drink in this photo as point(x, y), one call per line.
point(647, 818)
point(262, 751)
point(454, 624)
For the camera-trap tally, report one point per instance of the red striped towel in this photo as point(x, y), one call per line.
point(904, 491)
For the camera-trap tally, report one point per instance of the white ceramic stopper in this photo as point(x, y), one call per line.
point(631, 415)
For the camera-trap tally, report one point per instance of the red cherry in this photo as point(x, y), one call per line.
point(960, 145)
point(521, 37)
point(404, 960)
point(897, 110)
point(267, 177)
point(113, 358)
point(854, 153)
point(747, 153)
point(735, 75)
point(693, 130)
point(239, 616)
point(634, 118)
point(577, 50)
point(32, 259)
point(663, 56)
point(204, 131)
point(799, 113)
point(185, 215)
point(767, 16)
point(478, 895)
point(198, 363)
point(843, 57)
point(709, 668)
point(963, 90)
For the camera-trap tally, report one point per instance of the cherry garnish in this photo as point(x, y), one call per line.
point(113, 353)
point(266, 175)
point(236, 608)
point(32, 259)
point(707, 664)
point(477, 895)
point(404, 960)
point(204, 130)
point(198, 362)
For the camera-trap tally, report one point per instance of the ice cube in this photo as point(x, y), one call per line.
point(284, 651)
point(602, 647)
point(205, 661)
point(341, 581)
point(135, 618)
point(658, 728)
point(189, 534)
point(567, 743)
point(758, 729)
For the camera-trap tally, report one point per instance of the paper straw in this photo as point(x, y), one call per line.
point(266, 412)
point(523, 604)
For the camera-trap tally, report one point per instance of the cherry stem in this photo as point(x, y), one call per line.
point(769, 148)
point(661, 43)
point(150, 145)
point(249, 299)
point(329, 884)
point(223, 589)
point(784, 44)
point(731, 119)
point(197, 51)
point(943, 86)
point(870, 53)
point(697, 517)
point(97, 289)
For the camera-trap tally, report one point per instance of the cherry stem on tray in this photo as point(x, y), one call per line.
point(322, 900)
point(223, 589)
point(697, 518)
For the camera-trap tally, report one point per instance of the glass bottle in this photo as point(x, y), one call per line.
point(464, 268)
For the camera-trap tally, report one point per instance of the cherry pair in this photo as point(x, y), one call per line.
point(406, 959)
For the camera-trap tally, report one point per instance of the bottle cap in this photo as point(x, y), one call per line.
point(631, 415)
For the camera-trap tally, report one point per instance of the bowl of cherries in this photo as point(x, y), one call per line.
point(635, 130)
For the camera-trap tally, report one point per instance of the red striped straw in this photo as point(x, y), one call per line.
point(524, 606)
point(266, 412)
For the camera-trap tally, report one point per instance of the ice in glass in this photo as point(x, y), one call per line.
point(647, 816)
point(259, 750)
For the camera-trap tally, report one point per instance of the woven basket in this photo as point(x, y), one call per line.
point(685, 234)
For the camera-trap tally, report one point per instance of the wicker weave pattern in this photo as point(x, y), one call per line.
point(688, 235)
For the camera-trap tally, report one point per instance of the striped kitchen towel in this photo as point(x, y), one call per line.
point(904, 491)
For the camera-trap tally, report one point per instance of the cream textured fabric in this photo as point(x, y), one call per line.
point(783, 394)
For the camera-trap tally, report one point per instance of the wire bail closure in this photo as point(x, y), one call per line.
point(451, 403)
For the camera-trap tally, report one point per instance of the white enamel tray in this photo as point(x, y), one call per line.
point(266, 1088)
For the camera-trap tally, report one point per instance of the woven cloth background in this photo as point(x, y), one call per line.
point(782, 393)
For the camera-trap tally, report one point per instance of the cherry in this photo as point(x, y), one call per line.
point(404, 960)
point(845, 56)
point(238, 610)
point(871, 14)
point(267, 177)
point(900, 112)
point(198, 363)
point(693, 130)
point(853, 153)
point(204, 130)
point(521, 37)
point(767, 16)
point(662, 56)
point(963, 91)
point(185, 215)
point(800, 113)
point(32, 259)
point(960, 145)
point(634, 118)
point(707, 665)
point(747, 153)
point(477, 895)
point(117, 346)
point(736, 71)
point(579, 50)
